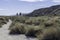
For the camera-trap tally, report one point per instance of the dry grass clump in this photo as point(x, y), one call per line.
point(3, 20)
point(17, 28)
point(50, 34)
point(32, 31)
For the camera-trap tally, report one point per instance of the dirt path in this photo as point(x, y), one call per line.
point(4, 34)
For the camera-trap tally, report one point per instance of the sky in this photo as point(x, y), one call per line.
point(11, 7)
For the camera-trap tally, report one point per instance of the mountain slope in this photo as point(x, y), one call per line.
point(53, 10)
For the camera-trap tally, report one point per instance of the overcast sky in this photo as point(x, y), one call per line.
point(10, 7)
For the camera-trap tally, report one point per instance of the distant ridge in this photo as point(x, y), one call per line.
point(53, 10)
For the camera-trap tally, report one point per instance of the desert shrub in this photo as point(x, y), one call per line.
point(14, 31)
point(48, 24)
point(50, 34)
point(3, 20)
point(17, 29)
point(29, 22)
point(32, 31)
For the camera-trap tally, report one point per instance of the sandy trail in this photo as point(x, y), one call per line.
point(4, 34)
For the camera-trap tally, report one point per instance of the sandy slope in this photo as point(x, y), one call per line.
point(4, 34)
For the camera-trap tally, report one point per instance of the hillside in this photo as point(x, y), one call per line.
point(53, 10)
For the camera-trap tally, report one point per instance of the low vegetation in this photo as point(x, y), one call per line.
point(17, 29)
point(3, 20)
point(43, 27)
point(50, 34)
